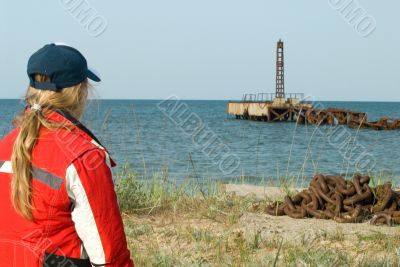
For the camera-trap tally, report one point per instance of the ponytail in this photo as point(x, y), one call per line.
point(21, 193)
point(71, 100)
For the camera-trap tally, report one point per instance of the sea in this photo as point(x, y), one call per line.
point(190, 139)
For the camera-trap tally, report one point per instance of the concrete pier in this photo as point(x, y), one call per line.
point(295, 110)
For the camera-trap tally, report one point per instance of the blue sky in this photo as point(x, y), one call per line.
point(216, 49)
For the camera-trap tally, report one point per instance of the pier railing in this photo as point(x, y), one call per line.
point(265, 97)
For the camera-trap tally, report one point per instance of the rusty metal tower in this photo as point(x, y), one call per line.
point(280, 72)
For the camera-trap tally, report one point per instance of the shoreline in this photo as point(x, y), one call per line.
point(259, 192)
point(230, 228)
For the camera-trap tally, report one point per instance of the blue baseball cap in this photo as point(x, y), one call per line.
point(64, 65)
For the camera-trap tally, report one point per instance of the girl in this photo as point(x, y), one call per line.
point(57, 202)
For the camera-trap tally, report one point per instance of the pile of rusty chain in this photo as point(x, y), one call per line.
point(333, 197)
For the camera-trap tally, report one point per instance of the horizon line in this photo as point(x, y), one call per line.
point(191, 99)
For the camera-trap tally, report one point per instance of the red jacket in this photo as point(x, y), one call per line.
point(77, 220)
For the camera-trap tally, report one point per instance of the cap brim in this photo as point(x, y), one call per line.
point(91, 74)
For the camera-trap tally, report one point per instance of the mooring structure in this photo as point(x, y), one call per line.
point(277, 106)
point(282, 106)
point(280, 71)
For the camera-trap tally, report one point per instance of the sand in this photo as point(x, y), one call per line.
point(260, 192)
point(295, 229)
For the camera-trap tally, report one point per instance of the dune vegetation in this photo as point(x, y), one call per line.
point(200, 224)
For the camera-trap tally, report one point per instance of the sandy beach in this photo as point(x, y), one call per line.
point(290, 228)
point(232, 229)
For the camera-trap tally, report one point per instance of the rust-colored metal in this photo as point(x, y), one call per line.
point(333, 197)
point(281, 107)
point(305, 113)
point(382, 218)
point(280, 71)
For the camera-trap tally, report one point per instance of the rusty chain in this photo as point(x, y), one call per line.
point(333, 197)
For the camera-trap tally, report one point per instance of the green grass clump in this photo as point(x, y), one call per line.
point(199, 224)
point(149, 196)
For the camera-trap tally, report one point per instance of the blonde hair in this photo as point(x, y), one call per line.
point(72, 100)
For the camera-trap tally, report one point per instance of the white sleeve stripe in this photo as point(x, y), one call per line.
point(102, 148)
point(108, 160)
point(83, 218)
point(6, 167)
point(96, 144)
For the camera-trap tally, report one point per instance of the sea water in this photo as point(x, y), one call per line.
point(141, 135)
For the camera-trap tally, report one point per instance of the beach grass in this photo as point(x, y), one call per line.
point(198, 224)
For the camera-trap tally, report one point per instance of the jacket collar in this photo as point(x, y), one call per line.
point(63, 116)
point(68, 117)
